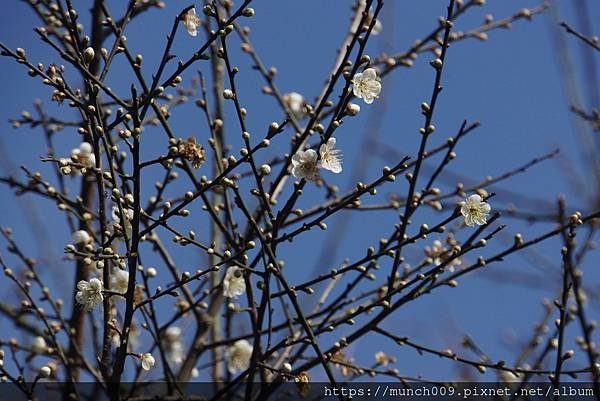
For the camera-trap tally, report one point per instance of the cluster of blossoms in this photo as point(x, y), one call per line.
point(306, 164)
point(237, 355)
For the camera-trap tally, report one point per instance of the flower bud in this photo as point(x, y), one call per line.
point(89, 54)
point(45, 371)
point(352, 109)
point(265, 169)
point(437, 63)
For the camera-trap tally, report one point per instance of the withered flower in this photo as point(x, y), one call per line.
point(190, 150)
point(303, 383)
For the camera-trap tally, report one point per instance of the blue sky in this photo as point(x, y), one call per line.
point(512, 83)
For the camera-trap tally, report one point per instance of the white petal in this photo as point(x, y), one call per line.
point(192, 29)
point(297, 158)
point(323, 149)
point(469, 220)
point(370, 74)
point(95, 284)
point(375, 88)
point(311, 155)
point(335, 168)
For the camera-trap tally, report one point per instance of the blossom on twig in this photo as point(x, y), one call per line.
point(191, 22)
point(192, 151)
point(366, 86)
point(120, 281)
point(90, 293)
point(234, 284)
point(238, 356)
point(84, 155)
point(296, 104)
point(475, 210)
point(331, 159)
point(147, 361)
point(305, 164)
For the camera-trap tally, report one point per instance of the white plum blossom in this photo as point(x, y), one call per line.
point(331, 158)
point(238, 356)
point(84, 155)
point(305, 164)
point(120, 281)
point(475, 210)
point(147, 361)
point(296, 103)
point(191, 22)
point(366, 86)
point(90, 293)
point(38, 345)
point(81, 237)
point(234, 284)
